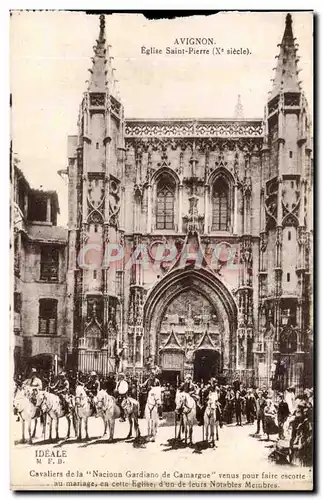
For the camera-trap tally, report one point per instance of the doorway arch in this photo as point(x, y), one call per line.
point(203, 282)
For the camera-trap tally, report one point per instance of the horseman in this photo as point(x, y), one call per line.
point(61, 389)
point(189, 387)
point(150, 381)
point(121, 392)
point(159, 392)
point(145, 387)
point(211, 387)
point(92, 387)
point(33, 381)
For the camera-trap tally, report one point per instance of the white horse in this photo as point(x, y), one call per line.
point(83, 410)
point(151, 412)
point(26, 410)
point(108, 409)
point(186, 408)
point(51, 406)
point(131, 409)
point(212, 417)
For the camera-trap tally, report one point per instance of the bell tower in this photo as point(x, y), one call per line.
point(95, 173)
point(285, 229)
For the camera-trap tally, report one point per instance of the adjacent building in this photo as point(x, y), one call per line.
point(40, 254)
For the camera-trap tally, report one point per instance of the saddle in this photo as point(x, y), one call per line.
point(64, 402)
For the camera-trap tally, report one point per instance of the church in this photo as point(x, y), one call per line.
point(189, 241)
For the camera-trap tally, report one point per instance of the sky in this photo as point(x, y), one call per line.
point(51, 54)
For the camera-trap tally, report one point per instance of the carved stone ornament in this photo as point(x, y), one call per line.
point(199, 128)
point(263, 241)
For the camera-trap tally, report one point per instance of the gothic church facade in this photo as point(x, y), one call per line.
point(190, 241)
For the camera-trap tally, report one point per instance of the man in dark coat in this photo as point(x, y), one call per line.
point(238, 404)
point(92, 388)
point(282, 415)
point(261, 403)
point(61, 389)
point(250, 406)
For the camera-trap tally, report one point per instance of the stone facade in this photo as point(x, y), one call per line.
point(227, 203)
point(189, 241)
point(40, 251)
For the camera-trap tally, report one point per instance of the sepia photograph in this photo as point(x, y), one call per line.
point(161, 214)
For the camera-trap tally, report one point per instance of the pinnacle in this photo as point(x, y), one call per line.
point(238, 110)
point(102, 73)
point(286, 71)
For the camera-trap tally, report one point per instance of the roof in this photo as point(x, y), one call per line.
point(47, 233)
point(18, 173)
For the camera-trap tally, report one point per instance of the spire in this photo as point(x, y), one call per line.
point(238, 110)
point(102, 75)
point(286, 72)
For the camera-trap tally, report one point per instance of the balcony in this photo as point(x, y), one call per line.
point(92, 343)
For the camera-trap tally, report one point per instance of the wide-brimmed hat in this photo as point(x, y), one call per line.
point(93, 374)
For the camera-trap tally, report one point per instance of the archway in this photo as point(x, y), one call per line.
point(205, 284)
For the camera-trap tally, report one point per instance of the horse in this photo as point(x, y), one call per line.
point(186, 407)
point(27, 411)
point(131, 409)
point(108, 409)
point(151, 412)
point(51, 406)
point(83, 410)
point(211, 418)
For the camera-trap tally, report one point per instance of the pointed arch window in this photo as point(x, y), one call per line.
point(220, 206)
point(165, 204)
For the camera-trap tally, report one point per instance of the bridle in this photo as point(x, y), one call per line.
point(101, 404)
point(80, 398)
point(127, 405)
point(44, 402)
point(183, 405)
point(155, 405)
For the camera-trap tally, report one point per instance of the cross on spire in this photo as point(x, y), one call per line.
point(102, 73)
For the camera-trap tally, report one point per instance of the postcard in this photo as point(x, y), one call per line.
point(162, 251)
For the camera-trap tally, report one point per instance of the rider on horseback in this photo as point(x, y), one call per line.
point(92, 388)
point(189, 387)
point(120, 393)
point(211, 387)
point(33, 381)
point(144, 390)
point(62, 389)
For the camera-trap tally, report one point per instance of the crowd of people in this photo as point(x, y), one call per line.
point(286, 414)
